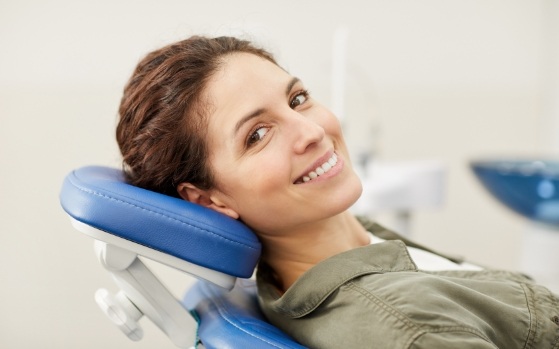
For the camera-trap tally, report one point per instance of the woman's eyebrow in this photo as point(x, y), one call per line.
point(259, 111)
point(252, 115)
point(292, 83)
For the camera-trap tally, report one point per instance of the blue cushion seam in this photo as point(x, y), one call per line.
point(158, 207)
point(160, 214)
point(225, 316)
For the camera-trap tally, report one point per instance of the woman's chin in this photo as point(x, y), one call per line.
point(349, 194)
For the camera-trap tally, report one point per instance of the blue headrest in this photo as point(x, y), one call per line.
point(99, 197)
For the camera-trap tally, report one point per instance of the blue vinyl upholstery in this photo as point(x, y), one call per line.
point(99, 197)
point(232, 320)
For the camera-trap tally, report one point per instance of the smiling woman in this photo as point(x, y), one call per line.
point(218, 122)
point(263, 125)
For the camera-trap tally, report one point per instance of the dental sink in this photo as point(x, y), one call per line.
point(531, 189)
point(527, 187)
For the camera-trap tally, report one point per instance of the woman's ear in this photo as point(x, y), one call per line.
point(191, 193)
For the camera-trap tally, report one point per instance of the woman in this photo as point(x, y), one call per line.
point(219, 123)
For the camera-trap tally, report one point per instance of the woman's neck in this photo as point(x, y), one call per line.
point(292, 254)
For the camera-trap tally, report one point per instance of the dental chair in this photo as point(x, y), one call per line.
point(220, 311)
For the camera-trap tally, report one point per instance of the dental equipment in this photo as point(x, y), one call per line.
point(219, 311)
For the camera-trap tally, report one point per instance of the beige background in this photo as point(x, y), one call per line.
point(439, 79)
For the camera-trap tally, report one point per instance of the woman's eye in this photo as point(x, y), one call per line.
point(257, 135)
point(299, 99)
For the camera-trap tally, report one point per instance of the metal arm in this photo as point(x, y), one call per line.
point(142, 294)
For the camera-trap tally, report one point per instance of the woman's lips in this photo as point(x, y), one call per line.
point(320, 168)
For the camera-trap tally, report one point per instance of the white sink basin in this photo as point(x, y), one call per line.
point(401, 186)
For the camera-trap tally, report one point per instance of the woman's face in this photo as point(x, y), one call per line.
point(278, 157)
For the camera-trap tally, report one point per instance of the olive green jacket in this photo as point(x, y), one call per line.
point(375, 297)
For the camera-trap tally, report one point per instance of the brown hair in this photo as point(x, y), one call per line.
point(161, 131)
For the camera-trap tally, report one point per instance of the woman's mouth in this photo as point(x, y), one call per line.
point(320, 170)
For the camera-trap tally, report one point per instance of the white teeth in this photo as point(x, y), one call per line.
point(322, 169)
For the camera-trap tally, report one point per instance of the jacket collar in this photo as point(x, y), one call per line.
point(312, 288)
point(387, 234)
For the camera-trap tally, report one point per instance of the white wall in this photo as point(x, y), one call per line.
point(444, 79)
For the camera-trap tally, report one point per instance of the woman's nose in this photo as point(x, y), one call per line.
point(306, 133)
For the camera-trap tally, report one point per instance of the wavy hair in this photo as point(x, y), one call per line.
point(161, 132)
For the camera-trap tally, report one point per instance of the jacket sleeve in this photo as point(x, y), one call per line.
point(451, 339)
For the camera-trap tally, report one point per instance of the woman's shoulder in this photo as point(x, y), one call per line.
point(396, 308)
